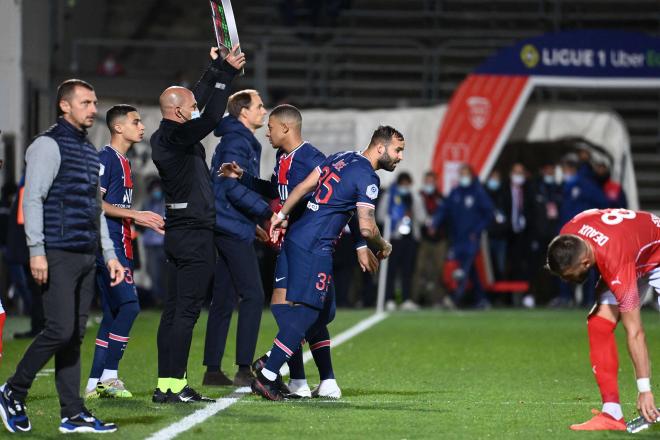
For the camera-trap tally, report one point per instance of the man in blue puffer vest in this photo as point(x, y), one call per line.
point(63, 226)
point(238, 210)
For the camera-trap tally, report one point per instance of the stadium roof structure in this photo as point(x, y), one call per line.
point(486, 106)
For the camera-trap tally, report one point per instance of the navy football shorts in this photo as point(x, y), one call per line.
point(124, 292)
point(309, 276)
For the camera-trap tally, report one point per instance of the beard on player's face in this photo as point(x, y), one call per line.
point(387, 162)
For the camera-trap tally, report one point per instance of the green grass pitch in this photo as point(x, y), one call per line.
point(496, 374)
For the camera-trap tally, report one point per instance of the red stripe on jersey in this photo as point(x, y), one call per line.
point(126, 237)
point(283, 168)
point(126, 168)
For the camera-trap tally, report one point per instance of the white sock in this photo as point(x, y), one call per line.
point(269, 374)
point(108, 374)
point(298, 383)
point(613, 409)
point(91, 384)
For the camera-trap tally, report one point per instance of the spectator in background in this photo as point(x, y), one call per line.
point(17, 257)
point(498, 229)
point(546, 200)
point(518, 199)
point(579, 193)
point(432, 249)
point(613, 190)
point(405, 211)
point(468, 211)
point(154, 243)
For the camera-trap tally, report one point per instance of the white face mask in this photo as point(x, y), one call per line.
point(194, 114)
point(517, 179)
point(465, 181)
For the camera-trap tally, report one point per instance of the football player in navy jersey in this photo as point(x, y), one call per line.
point(345, 183)
point(120, 303)
point(294, 161)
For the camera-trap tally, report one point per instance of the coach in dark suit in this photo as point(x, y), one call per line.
point(238, 210)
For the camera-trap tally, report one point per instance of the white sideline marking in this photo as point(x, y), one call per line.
point(200, 415)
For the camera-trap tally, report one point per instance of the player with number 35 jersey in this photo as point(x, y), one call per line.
point(625, 247)
point(344, 184)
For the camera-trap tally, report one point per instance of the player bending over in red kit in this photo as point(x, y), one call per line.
point(625, 247)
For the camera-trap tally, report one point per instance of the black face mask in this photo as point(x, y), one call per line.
point(603, 178)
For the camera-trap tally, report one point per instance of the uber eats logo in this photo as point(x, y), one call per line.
point(529, 56)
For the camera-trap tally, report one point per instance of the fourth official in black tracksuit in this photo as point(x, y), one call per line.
point(190, 216)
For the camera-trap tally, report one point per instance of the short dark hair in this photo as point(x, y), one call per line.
point(564, 252)
point(403, 177)
point(240, 100)
point(287, 112)
point(115, 112)
point(66, 89)
point(384, 134)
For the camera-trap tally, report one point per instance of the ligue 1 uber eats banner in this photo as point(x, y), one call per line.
point(486, 106)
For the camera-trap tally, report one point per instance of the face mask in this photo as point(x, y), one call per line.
point(548, 179)
point(517, 179)
point(404, 190)
point(493, 184)
point(194, 114)
point(465, 181)
point(429, 188)
point(570, 178)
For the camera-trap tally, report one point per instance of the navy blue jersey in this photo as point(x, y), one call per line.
point(293, 167)
point(117, 188)
point(347, 181)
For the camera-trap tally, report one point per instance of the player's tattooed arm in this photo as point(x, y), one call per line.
point(369, 230)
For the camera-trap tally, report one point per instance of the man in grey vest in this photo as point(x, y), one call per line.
point(63, 226)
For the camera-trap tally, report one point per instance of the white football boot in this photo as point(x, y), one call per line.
point(299, 389)
point(328, 389)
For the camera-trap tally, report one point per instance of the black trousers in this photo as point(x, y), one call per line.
point(190, 259)
point(401, 264)
point(236, 278)
point(66, 301)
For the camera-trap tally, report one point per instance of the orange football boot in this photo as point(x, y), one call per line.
point(601, 422)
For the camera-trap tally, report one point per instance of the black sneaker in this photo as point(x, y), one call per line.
point(12, 411)
point(160, 397)
point(85, 422)
point(188, 395)
point(243, 378)
point(268, 389)
point(260, 363)
point(216, 378)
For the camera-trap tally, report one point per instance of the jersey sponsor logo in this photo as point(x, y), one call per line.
point(313, 206)
point(656, 220)
point(616, 281)
point(128, 196)
point(595, 235)
point(372, 191)
point(339, 165)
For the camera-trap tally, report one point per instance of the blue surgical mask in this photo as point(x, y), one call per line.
point(517, 179)
point(493, 184)
point(547, 178)
point(465, 181)
point(404, 190)
point(570, 178)
point(194, 114)
point(429, 188)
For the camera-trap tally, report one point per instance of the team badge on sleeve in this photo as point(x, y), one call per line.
point(372, 191)
point(101, 170)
